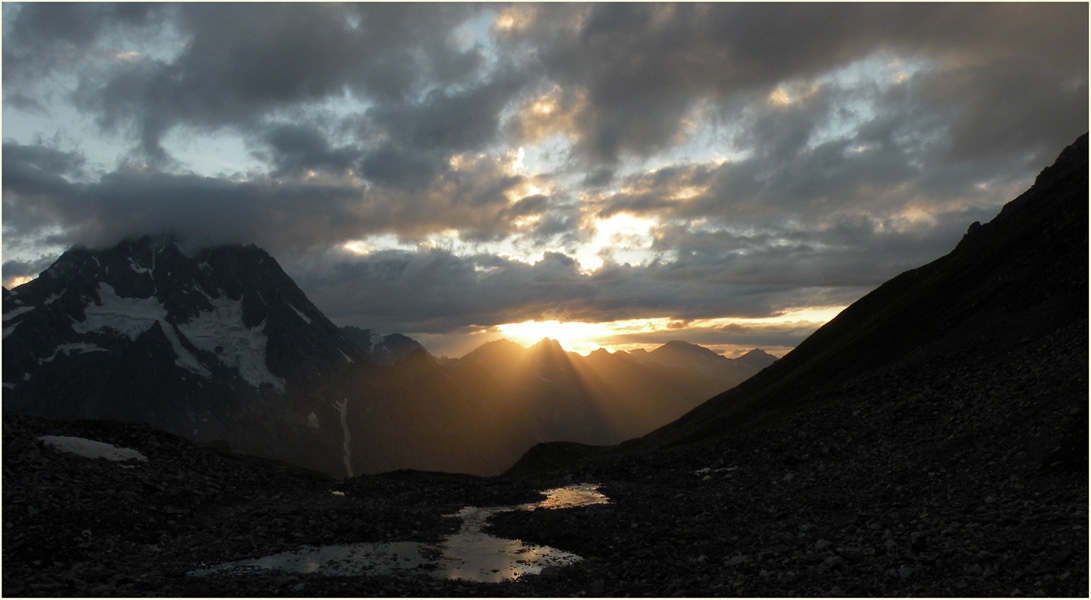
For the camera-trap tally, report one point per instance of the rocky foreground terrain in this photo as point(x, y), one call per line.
point(970, 483)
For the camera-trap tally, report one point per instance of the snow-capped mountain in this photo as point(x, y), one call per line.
point(222, 346)
point(195, 345)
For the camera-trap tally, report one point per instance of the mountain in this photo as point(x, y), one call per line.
point(221, 347)
point(604, 396)
point(383, 350)
point(700, 360)
point(218, 346)
point(756, 359)
point(1008, 283)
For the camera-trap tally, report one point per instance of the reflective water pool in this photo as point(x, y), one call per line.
point(469, 554)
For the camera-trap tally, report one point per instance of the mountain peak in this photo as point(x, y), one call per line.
point(547, 343)
point(756, 358)
point(679, 350)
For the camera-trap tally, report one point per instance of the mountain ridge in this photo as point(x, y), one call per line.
point(220, 346)
point(1015, 279)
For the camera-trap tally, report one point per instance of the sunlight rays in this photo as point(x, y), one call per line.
point(573, 336)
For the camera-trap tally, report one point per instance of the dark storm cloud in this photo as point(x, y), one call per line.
point(404, 121)
point(419, 137)
point(1017, 106)
point(452, 121)
point(396, 167)
point(203, 210)
point(387, 288)
point(286, 216)
point(296, 149)
point(240, 62)
point(33, 164)
point(644, 66)
point(48, 36)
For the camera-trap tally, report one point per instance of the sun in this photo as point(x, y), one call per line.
point(573, 336)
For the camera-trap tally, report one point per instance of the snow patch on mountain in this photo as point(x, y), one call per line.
point(342, 407)
point(80, 347)
point(301, 315)
point(138, 268)
point(128, 316)
point(184, 358)
point(11, 314)
point(221, 331)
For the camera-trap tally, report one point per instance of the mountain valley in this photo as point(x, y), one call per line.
point(929, 441)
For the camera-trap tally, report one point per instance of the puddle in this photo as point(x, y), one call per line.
point(469, 554)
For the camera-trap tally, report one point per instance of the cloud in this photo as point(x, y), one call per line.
point(777, 155)
point(437, 291)
point(239, 64)
point(298, 149)
point(643, 68)
point(283, 216)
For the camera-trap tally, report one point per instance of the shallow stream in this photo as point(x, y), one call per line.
point(469, 554)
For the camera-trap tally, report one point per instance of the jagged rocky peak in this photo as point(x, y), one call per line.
point(229, 307)
point(191, 343)
point(548, 345)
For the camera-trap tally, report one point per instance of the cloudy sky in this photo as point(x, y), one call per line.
point(727, 174)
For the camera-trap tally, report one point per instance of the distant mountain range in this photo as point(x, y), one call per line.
point(222, 347)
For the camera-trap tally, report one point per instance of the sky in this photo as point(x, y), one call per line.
point(610, 175)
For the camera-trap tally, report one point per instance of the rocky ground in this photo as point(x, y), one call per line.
point(969, 482)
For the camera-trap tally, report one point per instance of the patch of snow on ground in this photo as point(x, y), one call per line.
point(240, 347)
point(345, 355)
point(91, 449)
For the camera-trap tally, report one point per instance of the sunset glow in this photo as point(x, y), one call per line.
point(18, 281)
point(648, 334)
point(615, 175)
point(574, 337)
